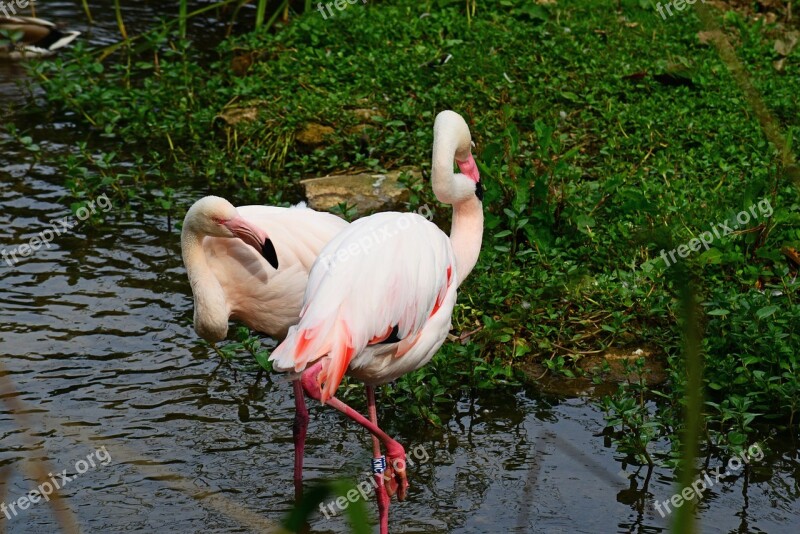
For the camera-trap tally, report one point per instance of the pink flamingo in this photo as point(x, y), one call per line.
point(380, 299)
point(259, 278)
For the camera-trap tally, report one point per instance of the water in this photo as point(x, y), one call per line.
point(95, 333)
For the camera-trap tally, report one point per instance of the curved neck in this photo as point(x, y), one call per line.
point(444, 153)
point(210, 308)
point(466, 235)
point(466, 231)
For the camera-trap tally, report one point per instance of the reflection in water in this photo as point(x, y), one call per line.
point(95, 333)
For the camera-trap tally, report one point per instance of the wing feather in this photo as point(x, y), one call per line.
point(263, 298)
point(384, 271)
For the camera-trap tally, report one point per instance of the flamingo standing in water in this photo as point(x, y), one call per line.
point(380, 298)
point(259, 278)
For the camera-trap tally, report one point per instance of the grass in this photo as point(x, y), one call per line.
point(603, 137)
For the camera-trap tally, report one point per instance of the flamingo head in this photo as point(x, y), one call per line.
point(470, 169)
point(216, 217)
point(452, 141)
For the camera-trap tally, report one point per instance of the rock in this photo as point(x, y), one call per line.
point(365, 115)
point(368, 193)
point(653, 372)
point(235, 114)
point(785, 46)
point(359, 129)
point(313, 134)
point(366, 120)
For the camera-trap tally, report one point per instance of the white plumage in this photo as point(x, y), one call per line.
point(390, 273)
point(230, 278)
point(353, 300)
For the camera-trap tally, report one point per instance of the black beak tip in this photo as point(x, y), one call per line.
point(269, 253)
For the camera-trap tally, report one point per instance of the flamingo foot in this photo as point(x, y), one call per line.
point(395, 476)
point(395, 473)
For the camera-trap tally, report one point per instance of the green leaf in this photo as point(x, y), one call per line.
point(766, 311)
point(262, 357)
point(736, 438)
point(711, 256)
point(309, 505)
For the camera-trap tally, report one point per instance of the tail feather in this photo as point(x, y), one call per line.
point(335, 369)
point(334, 345)
point(306, 337)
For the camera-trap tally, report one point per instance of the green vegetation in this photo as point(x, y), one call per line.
point(323, 494)
point(603, 137)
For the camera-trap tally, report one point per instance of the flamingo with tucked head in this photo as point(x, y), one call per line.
point(251, 263)
point(380, 299)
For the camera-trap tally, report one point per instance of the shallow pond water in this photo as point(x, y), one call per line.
point(96, 339)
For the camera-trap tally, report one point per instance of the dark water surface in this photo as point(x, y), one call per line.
point(95, 334)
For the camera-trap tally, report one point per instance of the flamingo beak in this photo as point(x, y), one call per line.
point(255, 237)
point(470, 169)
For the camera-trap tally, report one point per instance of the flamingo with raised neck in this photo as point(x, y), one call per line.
point(380, 300)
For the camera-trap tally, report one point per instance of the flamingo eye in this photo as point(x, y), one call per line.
point(218, 220)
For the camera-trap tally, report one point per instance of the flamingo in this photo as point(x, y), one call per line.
point(259, 278)
point(380, 298)
point(33, 37)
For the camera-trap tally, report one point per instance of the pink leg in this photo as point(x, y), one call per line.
point(380, 491)
point(395, 475)
point(299, 431)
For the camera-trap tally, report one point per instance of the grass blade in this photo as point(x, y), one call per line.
point(184, 9)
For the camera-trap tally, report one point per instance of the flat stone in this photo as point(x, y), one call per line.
point(235, 114)
point(366, 192)
point(615, 363)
